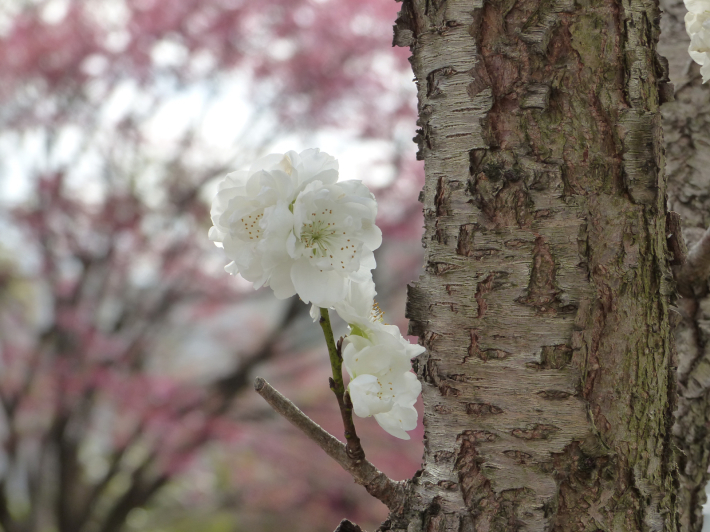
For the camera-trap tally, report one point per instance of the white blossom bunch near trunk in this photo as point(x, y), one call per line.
point(288, 223)
point(697, 24)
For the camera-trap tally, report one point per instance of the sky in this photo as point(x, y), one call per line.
point(225, 112)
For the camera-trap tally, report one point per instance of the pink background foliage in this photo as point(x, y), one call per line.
point(126, 353)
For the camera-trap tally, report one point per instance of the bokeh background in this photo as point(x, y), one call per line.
point(127, 354)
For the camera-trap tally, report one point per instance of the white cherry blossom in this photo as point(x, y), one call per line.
point(321, 242)
point(697, 24)
point(697, 6)
point(378, 360)
point(365, 320)
point(244, 197)
point(333, 239)
point(287, 223)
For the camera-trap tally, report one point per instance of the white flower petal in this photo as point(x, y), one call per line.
point(359, 301)
point(323, 288)
point(371, 237)
point(409, 390)
point(365, 393)
point(372, 359)
point(705, 71)
point(231, 268)
point(414, 350)
point(697, 25)
point(280, 281)
point(398, 420)
point(315, 163)
point(697, 6)
point(267, 162)
point(232, 180)
point(215, 235)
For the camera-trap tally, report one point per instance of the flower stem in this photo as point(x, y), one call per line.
point(352, 446)
point(336, 361)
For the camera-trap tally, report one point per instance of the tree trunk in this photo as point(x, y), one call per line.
point(549, 380)
point(686, 126)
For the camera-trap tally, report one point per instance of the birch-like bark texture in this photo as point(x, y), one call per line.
point(686, 126)
point(548, 379)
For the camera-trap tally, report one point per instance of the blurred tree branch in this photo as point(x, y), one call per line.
point(114, 222)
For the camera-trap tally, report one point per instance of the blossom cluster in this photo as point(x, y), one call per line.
point(697, 24)
point(288, 223)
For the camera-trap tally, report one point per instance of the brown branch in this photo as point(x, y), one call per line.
point(377, 484)
point(142, 488)
point(97, 490)
point(352, 442)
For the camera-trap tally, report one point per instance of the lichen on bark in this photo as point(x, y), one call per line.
point(548, 382)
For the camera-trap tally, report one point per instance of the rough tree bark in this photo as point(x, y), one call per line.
point(686, 126)
point(549, 380)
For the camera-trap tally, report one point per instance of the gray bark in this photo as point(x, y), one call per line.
point(548, 378)
point(686, 126)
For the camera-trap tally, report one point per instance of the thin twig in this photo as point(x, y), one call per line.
point(377, 484)
point(353, 446)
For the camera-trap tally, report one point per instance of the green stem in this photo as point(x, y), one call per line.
point(352, 442)
point(336, 362)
